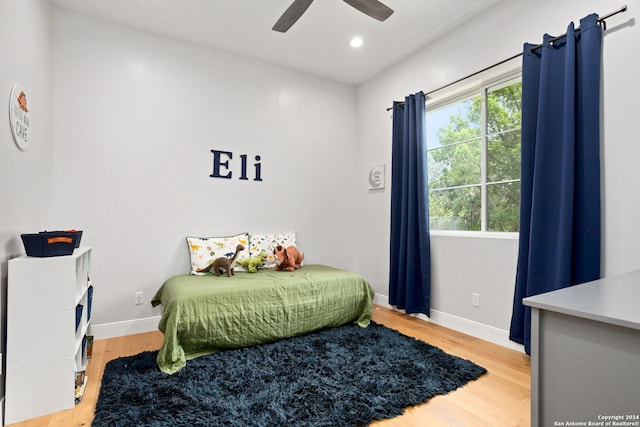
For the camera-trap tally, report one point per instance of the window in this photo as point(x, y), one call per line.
point(473, 150)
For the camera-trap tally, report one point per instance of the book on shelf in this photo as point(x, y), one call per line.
point(79, 309)
point(79, 378)
point(80, 388)
point(89, 346)
point(89, 301)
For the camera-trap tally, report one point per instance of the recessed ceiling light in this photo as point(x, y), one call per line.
point(356, 42)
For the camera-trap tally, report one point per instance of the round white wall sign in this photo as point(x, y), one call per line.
point(19, 117)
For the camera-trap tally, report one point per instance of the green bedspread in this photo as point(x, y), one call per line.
point(204, 314)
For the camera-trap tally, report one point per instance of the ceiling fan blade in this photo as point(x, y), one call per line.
point(291, 15)
point(373, 8)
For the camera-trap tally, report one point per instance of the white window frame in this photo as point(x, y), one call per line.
point(468, 91)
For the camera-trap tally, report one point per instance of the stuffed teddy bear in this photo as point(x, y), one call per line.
point(287, 259)
point(254, 263)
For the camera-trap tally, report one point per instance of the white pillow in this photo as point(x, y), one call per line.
point(266, 243)
point(204, 250)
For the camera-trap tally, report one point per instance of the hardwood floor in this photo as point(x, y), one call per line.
point(499, 398)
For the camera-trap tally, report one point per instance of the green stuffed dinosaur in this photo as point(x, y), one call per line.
point(252, 264)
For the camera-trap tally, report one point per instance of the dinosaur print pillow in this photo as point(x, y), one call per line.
point(204, 250)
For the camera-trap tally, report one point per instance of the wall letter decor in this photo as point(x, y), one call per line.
point(217, 163)
point(220, 166)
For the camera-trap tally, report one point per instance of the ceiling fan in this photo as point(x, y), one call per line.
point(373, 8)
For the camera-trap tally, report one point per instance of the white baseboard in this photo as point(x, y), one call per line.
point(127, 327)
point(469, 327)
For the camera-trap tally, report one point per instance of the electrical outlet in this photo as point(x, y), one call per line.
point(475, 300)
point(138, 298)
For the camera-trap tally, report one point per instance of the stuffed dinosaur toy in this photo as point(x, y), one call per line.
point(288, 258)
point(222, 263)
point(254, 263)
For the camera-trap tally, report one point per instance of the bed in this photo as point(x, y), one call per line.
point(205, 314)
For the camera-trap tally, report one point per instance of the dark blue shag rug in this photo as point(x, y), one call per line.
point(347, 376)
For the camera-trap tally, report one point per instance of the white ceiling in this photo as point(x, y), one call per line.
point(318, 43)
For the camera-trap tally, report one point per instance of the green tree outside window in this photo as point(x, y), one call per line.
point(459, 188)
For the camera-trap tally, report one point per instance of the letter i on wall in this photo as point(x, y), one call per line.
point(258, 167)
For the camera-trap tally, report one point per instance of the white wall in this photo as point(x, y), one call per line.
point(136, 117)
point(25, 193)
point(485, 265)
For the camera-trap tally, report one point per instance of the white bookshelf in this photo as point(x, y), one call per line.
point(44, 348)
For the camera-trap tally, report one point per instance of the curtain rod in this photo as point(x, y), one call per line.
point(600, 21)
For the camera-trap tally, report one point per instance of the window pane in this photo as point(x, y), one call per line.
point(453, 123)
point(503, 156)
point(458, 149)
point(454, 165)
point(455, 209)
point(503, 207)
point(503, 108)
